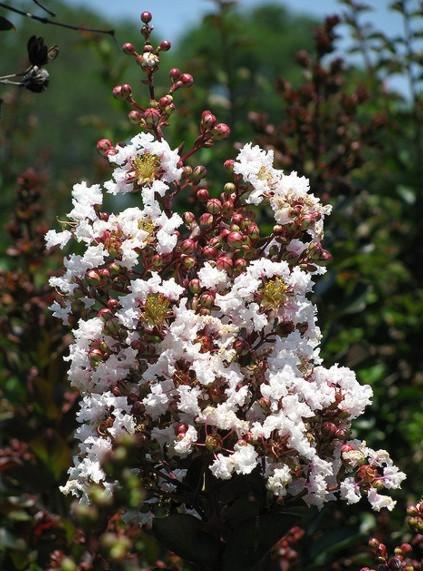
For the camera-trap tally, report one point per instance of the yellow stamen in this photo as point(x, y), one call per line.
point(274, 293)
point(264, 174)
point(147, 225)
point(145, 167)
point(156, 309)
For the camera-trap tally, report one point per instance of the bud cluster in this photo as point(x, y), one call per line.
point(196, 332)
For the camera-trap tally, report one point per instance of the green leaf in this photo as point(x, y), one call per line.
point(6, 24)
point(185, 535)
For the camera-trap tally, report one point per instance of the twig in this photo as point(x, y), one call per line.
point(49, 12)
point(45, 20)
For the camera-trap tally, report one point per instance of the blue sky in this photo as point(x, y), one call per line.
point(172, 15)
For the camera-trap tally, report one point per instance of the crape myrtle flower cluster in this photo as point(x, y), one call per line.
point(195, 332)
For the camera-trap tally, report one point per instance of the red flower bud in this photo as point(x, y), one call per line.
point(165, 101)
point(128, 48)
point(188, 246)
point(187, 79)
point(206, 219)
point(113, 304)
point(202, 194)
point(224, 263)
point(229, 164)
point(175, 73)
point(208, 120)
point(209, 252)
point(165, 45)
point(146, 17)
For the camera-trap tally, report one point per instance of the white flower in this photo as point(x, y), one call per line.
point(54, 238)
point(379, 501)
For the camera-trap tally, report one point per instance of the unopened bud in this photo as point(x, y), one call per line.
point(221, 131)
point(128, 48)
point(165, 45)
point(146, 17)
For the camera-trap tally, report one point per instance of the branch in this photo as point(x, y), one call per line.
point(49, 12)
point(45, 20)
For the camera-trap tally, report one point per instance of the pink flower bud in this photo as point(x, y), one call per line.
point(126, 90)
point(206, 219)
point(175, 73)
point(207, 299)
point(235, 240)
point(229, 164)
point(151, 116)
point(117, 91)
point(224, 263)
point(165, 101)
point(187, 79)
point(202, 194)
point(104, 145)
point(240, 265)
point(128, 48)
point(214, 206)
point(104, 313)
point(237, 218)
point(221, 131)
point(135, 116)
point(209, 252)
point(113, 304)
point(146, 17)
point(188, 246)
point(189, 217)
point(208, 120)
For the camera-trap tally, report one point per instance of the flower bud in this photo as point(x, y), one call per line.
point(175, 73)
point(128, 48)
point(235, 240)
point(209, 252)
point(165, 101)
point(187, 79)
point(208, 120)
point(221, 131)
point(194, 286)
point(135, 116)
point(188, 262)
point(214, 206)
point(188, 246)
point(146, 17)
point(104, 145)
point(165, 45)
point(240, 265)
point(203, 194)
point(206, 219)
point(151, 117)
point(224, 263)
point(189, 218)
point(229, 164)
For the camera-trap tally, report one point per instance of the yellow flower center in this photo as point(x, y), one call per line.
point(145, 167)
point(147, 225)
point(274, 293)
point(264, 174)
point(156, 309)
